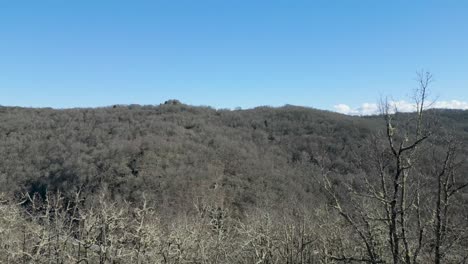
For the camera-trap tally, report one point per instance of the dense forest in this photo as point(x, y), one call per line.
point(175, 183)
point(173, 153)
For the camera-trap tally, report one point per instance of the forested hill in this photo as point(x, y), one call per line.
point(176, 154)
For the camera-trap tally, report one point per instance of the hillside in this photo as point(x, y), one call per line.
point(175, 152)
point(185, 161)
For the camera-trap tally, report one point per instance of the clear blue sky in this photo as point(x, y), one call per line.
point(228, 53)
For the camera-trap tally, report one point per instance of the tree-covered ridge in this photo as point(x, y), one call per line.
point(171, 150)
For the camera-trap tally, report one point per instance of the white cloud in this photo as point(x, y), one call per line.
point(401, 106)
point(364, 109)
point(453, 104)
point(342, 108)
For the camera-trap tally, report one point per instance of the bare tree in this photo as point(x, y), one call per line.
point(386, 211)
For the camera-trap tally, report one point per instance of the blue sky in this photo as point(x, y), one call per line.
point(229, 53)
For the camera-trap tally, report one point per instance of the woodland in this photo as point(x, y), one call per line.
point(174, 183)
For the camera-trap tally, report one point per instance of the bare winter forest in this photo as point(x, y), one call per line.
point(180, 184)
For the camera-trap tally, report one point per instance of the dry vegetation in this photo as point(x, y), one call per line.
point(55, 231)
